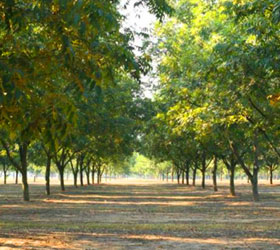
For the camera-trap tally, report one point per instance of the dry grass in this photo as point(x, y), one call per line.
point(130, 214)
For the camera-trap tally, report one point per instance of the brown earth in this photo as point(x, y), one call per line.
point(139, 214)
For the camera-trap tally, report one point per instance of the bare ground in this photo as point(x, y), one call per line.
point(130, 214)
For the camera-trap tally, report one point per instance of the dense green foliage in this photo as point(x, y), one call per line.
point(71, 96)
point(69, 85)
point(218, 93)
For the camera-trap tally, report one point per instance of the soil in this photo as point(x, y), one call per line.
point(140, 214)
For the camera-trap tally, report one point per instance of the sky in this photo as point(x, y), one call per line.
point(138, 18)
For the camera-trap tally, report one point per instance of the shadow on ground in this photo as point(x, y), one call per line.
point(139, 216)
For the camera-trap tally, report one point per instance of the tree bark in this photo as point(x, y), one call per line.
point(214, 174)
point(61, 162)
point(47, 175)
point(203, 170)
point(81, 171)
point(98, 175)
point(16, 181)
point(232, 187)
point(187, 173)
point(194, 173)
point(178, 177)
point(75, 170)
point(75, 176)
point(230, 165)
point(203, 178)
point(5, 173)
point(81, 176)
point(92, 174)
point(252, 177)
point(87, 174)
point(25, 187)
point(5, 177)
point(270, 175)
point(23, 159)
point(254, 182)
point(61, 178)
point(20, 166)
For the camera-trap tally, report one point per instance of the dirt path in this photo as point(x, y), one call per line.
point(139, 215)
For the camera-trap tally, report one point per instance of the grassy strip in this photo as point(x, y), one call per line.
point(198, 227)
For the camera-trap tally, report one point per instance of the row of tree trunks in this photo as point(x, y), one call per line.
point(90, 168)
point(6, 177)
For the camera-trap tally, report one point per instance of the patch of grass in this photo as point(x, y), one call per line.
point(145, 228)
point(79, 211)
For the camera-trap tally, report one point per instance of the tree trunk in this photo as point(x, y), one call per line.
point(254, 182)
point(92, 174)
point(194, 174)
point(61, 178)
point(232, 187)
point(270, 175)
point(75, 176)
point(75, 170)
point(183, 177)
point(178, 177)
point(81, 175)
point(214, 174)
point(98, 175)
point(172, 175)
point(47, 175)
point(187, 174)
point(203, 178)
point(203, 170)
point(16, 181)
point(254, 179)
point(87, 174)
point(25, 187)
point(5, 175)
point(23, 159)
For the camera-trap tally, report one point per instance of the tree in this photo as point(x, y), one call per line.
point(52, 51)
